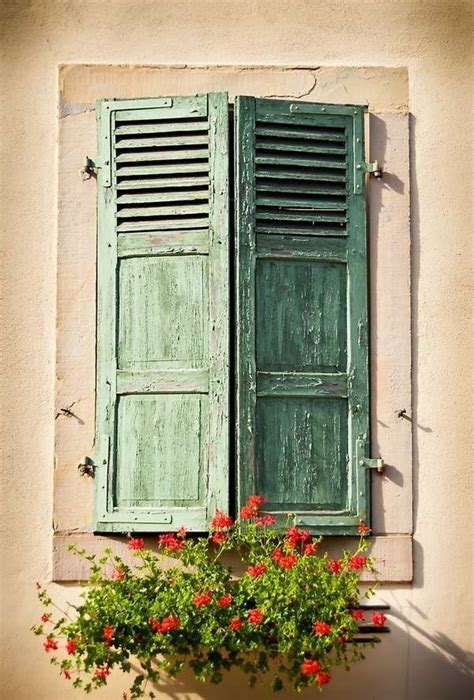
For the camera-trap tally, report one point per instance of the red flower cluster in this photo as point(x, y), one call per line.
point(70, 646)
point(45, 617)
point(225, 601)
point(170, 542)
point(117, 575)
point(321, 628)
point(310, 667)
point(324, 677)
point(221, 521)
point(50, 644)
point(168, 624)
point(102, 671)
point(363, 528)
point(236, 624)
point(357, 562)
point(284, 561)
point(250, 510)
point(295, 537)
point(379, 619)
point(202, 599)
point(257, 570)
point(136, 543)
point(335, 566)
point(255, 617)
point(108, 635)
point(357, 615)
point(310, 548)
point(219, 537)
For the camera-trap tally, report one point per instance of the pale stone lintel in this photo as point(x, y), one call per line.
point(393, 554)
point(380, 88)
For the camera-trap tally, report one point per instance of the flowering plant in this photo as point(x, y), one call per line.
point(293, 612)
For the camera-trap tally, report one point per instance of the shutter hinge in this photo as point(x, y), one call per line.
point(368, 462)
point(373, 168)
point(89, 169)
point(87, 467)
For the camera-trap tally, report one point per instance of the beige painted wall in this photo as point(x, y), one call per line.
point(428, 653)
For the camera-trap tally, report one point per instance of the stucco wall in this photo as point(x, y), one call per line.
point(427, 655)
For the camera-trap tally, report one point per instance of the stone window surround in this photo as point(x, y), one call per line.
point(385, 92)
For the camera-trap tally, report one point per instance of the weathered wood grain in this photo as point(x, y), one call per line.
point(303, 324)
point(162, 382)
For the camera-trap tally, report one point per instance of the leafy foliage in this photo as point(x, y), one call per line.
point(293, 613)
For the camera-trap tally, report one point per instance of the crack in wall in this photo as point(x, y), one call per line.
point(302, 94)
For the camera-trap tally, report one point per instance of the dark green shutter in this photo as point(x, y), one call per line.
point(302, 310)
point(162, 344)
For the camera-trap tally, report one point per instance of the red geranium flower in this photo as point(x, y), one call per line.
point(324, 677)
point(70, 646)
point(286, 561)
point(379, 619)
point(321, 628)
point(181, 533)
point(219, 537)
point(294, 537)
point(50, 644)
point(108, 633)
point(221, 521)
point(225, 601)
point(363, 528)
point(357, 562)
point(202, 599)
point(246, 513)
point(45, 617)
point(257, 570)
point(250, 510)
point(357, 615)
point(136, 543)
point(172, 622)
point(118, 575)
point(255, 501)
point(170, 542)
point(310, 548)
point(102, 671)
point(236, 624)
point(255, 616)
point(335, 566)
point(310, 667)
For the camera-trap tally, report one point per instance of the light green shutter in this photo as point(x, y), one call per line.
point(162, 317)
point(302, 310)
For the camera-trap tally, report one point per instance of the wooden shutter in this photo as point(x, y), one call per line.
point(162, 324)
point(302, 341)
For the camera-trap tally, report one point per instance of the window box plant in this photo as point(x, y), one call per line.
point(292, 615)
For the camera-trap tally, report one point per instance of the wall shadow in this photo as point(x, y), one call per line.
point(396, 669)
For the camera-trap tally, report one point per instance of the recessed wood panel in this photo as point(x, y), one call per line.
point(301, 315)
point(302, 453)
point(150, 470)
point(163, 312)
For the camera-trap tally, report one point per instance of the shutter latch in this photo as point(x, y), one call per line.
point(86, 467)
point(374, 168)
point(367, 462)
point(89, 169)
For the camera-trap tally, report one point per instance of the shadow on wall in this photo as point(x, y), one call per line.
point(429, 667)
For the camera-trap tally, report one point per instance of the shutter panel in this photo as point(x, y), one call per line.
point(162, 345)
point(302, 339)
